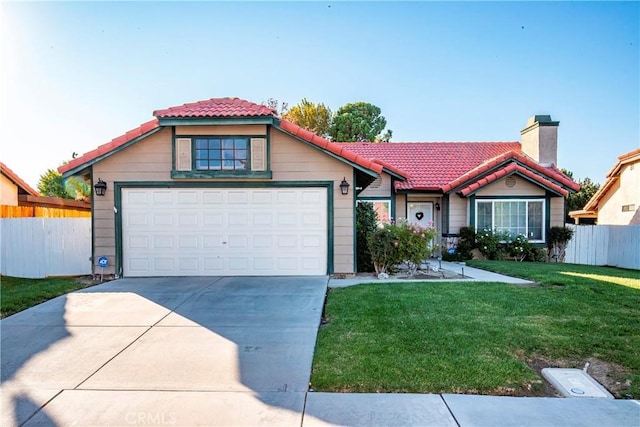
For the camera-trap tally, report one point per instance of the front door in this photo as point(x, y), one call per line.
point(421, 213)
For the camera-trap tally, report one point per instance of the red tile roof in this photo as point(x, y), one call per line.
point(337, 149)
point(26, 188)
point(510, 169)
point(110, 146)
point(431, 165)
point(217, 107)
point(517, 155)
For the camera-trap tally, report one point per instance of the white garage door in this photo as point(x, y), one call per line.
point(231, 232)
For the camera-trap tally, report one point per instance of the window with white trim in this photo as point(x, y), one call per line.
point(514, 217)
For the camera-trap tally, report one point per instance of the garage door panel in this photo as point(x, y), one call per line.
point(224, 232)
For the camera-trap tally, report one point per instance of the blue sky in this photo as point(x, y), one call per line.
point(76, 75)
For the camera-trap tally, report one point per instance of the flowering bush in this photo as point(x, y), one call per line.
point(497, 245)
point(400, 242)
point(489, 244)
point(518, 247)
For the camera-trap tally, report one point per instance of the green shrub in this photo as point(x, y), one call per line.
point(558, 239)
point(466, 243)
point(489, 244)
point(366, 225)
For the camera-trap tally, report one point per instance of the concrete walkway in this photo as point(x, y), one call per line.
point(220, 351)
point(469, 273)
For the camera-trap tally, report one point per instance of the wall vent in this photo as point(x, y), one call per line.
point(510, 182)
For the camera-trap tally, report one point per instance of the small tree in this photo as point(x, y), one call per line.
point(366, 225)
point(358, 122)
point(558, 240)
point(313, 117)
point(51, 184)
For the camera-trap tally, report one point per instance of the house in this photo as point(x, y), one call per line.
point(617, 201)
point(12, 186)
point(225, 187)
point(15, 192)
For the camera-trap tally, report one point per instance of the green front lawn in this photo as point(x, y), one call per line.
point(18, 294)
point(488, 338)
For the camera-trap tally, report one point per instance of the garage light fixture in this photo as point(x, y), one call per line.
point(344, 186)
point(100, 187)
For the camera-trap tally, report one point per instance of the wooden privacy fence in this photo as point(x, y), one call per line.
point(614, 245)
point(7, 211)
point(41, 247)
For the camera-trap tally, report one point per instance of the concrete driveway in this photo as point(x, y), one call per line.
point(167, 351)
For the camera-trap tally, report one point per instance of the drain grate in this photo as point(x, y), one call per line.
point(575, 383)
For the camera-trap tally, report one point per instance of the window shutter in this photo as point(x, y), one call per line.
point(183, 154)
point(258, 154)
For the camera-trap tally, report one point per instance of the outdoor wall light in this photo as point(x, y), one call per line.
point(437, 206)
point(100, 187)
point(344, 186)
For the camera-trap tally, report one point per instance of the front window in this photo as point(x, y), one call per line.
point(514, 217)
point(221, 153)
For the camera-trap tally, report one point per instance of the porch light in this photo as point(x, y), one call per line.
point(344, 186)
point(437, 206)
point(100, 187)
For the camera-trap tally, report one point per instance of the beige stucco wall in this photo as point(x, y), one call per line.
point(8, 192)
point(291, 160)
point(401, 206)
point(522, 187)
point(556, 212)
point(458, 213)
point(626, 191)
point(381, 187)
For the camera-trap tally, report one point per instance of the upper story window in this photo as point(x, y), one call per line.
point(221, 153)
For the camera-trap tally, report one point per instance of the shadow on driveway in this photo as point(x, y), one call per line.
point(164, 351)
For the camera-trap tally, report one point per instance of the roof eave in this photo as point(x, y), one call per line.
point(88, 164)
point(200, 121)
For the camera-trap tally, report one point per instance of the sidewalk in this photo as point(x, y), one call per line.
point(471, 274)
point(354, 409)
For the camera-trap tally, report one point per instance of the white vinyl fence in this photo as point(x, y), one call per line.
point(613, 245)
point(41, 247)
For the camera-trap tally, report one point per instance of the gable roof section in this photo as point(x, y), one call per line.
point(23, 187)
point(612, 176)
point(548, 177)
point(231, 108)
point(109, 148)
point(429, 166)
point(513, 168)
point(339, 150)
point(216, 107)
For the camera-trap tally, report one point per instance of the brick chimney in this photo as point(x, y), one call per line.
point(540, 139)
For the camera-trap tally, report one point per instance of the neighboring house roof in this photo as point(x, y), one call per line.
point(611, 178)
point(23, 187)
point(217, 107)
